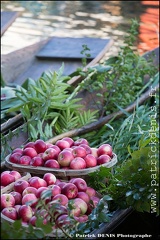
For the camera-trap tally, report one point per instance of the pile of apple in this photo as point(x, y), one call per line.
point(8, 177)
point(21, 201)
point(64, 154)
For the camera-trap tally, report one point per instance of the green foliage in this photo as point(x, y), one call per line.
point(85, 52)
point(3, 83)
point(7, 101)
point(98, 180)
point(46, 107)
point(120, 79)
point(135, 182)
point(125, 132)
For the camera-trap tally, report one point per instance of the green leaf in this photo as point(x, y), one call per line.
point(102, 217)
point(129, 193)
point(107, 198)
point(39, 233)
point(136, 196)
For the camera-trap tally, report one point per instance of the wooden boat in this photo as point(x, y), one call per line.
point(7, 18)
point(32, 61)
point(120, 215)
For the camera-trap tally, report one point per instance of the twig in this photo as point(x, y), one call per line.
point(104, 120)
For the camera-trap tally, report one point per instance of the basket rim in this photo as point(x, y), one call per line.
point(61, 172)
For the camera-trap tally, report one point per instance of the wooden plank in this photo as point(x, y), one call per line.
point(7, 18)
point(71, 48)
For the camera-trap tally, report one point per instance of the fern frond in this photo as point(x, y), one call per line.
point(87, 117)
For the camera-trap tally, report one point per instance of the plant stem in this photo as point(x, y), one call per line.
point(79, 86)
point(104, 120)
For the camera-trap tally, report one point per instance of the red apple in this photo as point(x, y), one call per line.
point(90, 160)
point(29, 151)
point(84, 196)
point(16, 174)
point(90, 191)
point(79, 152)
point(14, 157)
point(55, 189)
point(38, 182)
point(103, 159)
point(61, 184)
point(29, 199)
point(40, 190)
point(30, 179)
point(83, 218)
point(29, 144)
point(50, 153)
point(63, 220)
point(4, 172)
point(20, 185)
point(58, 150)
point(24, 160)
point(78, 163)
point(17, 208)
point(48, 145)
point(61, 198)
point(60, 210)
point(87, 148)
point(94, 152)
point(50, 178)
point(95, 200)
point(81, 141)
point(80, 184)
point(33, 220)
point(10, 212)
point(70, 140)
point(29, 190)
point(52, 163)
point(57, 181)
point(17, 196)
point(68, 149)
point(79, 203)
point(105, 149)
point(62, 144)
point(7, 200)
point(40, 155)
point(66, 168)
point(7, 178)
point(70, 190)
point(17, 150)
point(37, 161)
point(40, 146)
point(71, 180)
point(65, 157)
point(75, 212)
point(25, 213)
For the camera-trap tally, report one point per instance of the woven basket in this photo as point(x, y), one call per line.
point(62, 173)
